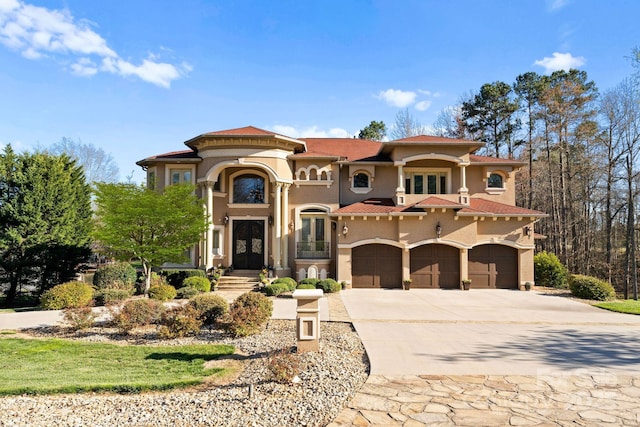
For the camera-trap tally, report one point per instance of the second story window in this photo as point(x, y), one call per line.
point(426, 183)
point(180, 176)
point(495, 181)
point(361, 180)
point(248, 188)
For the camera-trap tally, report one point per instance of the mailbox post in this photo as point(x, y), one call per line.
point(307, 319)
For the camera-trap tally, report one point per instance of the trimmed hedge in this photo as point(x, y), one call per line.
point(275, 289)
point(291, 283)
point(210, 307)
point(549, 271)
point(176, 277)
point(162, 292)
point(309, 281)
point(202, 284)
point(67, 295)
point(119, 275)
point(187, 292)
point(306, 286)
point(329, 286)
point(588, 287)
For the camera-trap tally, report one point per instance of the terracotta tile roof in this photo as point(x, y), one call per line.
point(438, 202)
point(485, 159)
point(479, 206)
point(373, 206)
point(247, 130)
point(430, 139)
point(175, 156)
point(349, 148)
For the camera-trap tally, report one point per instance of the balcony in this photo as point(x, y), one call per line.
point(312, 250)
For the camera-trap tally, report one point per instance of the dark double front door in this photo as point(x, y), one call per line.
point(248, 244)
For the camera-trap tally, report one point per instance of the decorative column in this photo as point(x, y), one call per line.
point(277, 225)
point(463, 190)
point(209, 240)
point(285, 225)
point(202, 246)
point(400, 190)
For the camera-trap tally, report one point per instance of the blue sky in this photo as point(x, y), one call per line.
point(140, 77)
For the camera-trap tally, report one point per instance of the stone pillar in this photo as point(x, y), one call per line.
point(285, 226)
point(400, 190)
point(463, 191)
point(277, 225)
point(464, 264)
point(308, 319)
point(209, 240)
point(202, 246)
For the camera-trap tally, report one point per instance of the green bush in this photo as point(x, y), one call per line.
point(162, 292)
point(588, 287)
point(79, 318)
point(200, 283)
point(187, 292)
point(306, 286)
point(549, 271)
point(329, 286)
point(309, 281)
point(210, 307)
point(112, 296)
point(275, 289)
point(179, 322)
point(291, 283)
point(119, 275)
point(67, 295)
point(248, 314)
point(176, 277)
point(136, 313)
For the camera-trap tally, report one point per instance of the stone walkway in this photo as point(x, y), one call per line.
point(559, 398)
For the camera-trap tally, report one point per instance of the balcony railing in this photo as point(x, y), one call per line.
point(306, 250)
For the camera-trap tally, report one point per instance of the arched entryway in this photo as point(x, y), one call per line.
point(435, 266)
point(376, 266)
point(493, 266)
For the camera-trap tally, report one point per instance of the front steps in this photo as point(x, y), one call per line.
point(240, 280)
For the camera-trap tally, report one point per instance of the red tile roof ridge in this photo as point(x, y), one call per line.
point(435, 140)
point(438, 201)
point(246, 130)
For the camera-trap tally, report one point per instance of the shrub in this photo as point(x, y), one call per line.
point(309, 281)
point(179, 322)
point(248, 314)
point(283, 365)
point(119, 275)
point(79, 318)
point(202, 284)
point(588, 287)
point(210, 308)
point(549, 271)
point(162, 292)
point(67, 295)
point(137, 313)
point(291, 283)
point(329, 286)
point(306, 286)
point(112, 296)
point(176, 277)
point(275, 289)
point(187, 292)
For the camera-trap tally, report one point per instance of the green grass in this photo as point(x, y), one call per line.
point(35, 366)
point(621, 306)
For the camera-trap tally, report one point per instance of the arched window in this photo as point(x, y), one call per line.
point(361, 180)
point(248, 188)
point(495, 181)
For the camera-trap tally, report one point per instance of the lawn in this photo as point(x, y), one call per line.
point(43, 366)
point(628, 306)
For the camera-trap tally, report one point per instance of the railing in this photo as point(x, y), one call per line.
point(306, 250)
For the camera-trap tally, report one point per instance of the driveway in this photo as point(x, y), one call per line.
point(489, 332)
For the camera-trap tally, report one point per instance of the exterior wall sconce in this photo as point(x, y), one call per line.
point(438, 230)
point(270, 219)
point(226, 219)
point(345, 229)
point(527, 231)
point(291, 226)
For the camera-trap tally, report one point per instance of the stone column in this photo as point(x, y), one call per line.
point(209, 240)
point(400, 190)
point(285, 225)
point(463, 191)
point(277, 225)
point(464, 264)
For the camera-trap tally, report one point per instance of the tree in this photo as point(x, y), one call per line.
point(97, 164)
point(45, 219)
point(491, 113)
point(375, 131)
point(406, 125)
point(153, 227)
point(450, 123)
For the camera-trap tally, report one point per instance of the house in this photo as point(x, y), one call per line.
point(368, 213)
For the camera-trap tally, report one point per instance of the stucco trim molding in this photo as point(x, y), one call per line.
point(453, 243)
point(213, 173)
point(503, 242)
point(375, 240)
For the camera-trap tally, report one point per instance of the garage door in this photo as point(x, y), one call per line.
point(493, 266)
point(435, 266)
point(376, 266)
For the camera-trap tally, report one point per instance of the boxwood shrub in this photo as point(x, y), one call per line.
point(176, 277)
point(112, 296)
point(119, 275)
point(588, 287)
point(306, 286)
point(549, 271)
point(202, 284)
point(291, 283)
point(162, 292)
point(67, 295)
point(210, 307)
point(275, 289)
point(329, 286)
point(187, 292)
point(309, 281)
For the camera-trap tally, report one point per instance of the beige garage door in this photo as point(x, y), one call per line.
point(493, 266)
point(376, 266)
point(435, 266)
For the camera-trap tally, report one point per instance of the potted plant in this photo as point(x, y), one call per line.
point(406, 284)
point(466, 284)
point(527, 286)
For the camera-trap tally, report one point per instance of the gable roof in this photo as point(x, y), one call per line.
point(483, 207)
point(348, 148)
point(247, 130)
point(373, 206)
point(184, 156)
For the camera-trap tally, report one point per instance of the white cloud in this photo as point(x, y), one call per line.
point(311, 132)
point(423, 105)
point(560, 61)
point(37, 32)
point(554, 5)
point(397, 98)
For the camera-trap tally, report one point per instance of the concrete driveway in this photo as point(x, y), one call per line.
point(490, 332)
